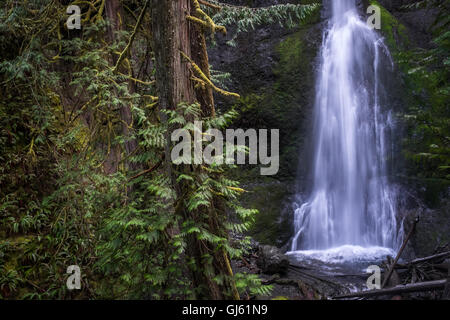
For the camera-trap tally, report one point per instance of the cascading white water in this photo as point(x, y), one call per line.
point(351, 203)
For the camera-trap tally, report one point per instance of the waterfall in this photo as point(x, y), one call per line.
point(351, 202)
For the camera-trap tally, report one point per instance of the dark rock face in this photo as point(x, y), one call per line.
point(433, 230)
point(273, 200)
point(417, 22)
point(427, 198)
point(271, 260)
point(273, 69)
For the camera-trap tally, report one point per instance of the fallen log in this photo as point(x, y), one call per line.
point(412, 287)
point(437, 257)
point(299, 267)
point(351, 275)
point(312, 276)
point(429, 258)
point(443, 266)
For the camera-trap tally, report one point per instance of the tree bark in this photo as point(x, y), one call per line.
point(114, 14)
point(172, 34)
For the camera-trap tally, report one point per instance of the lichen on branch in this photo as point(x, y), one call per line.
point(206, 80)
point(204, 20)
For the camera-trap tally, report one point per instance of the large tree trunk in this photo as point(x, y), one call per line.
point(172, 34)
point(114, 14)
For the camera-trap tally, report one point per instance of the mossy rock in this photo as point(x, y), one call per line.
point(287, 101)
point(432, 230)
point(273, 223)
point(395, 33)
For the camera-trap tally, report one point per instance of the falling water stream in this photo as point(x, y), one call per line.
point(351, 210)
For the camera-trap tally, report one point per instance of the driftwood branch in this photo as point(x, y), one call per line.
point(435, 258)
point(429, 258)
point(391, 268)
point(413, 287)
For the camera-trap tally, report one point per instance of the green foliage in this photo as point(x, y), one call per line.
point(220, 79)
point(202, 193)
point(245, 19)
point(427, 78)
point(426, 4)
point(254, 283)
point(60, 120)
point(137, 255)
point(287, 15)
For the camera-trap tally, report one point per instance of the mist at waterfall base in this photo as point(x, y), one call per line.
point(350, 214)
